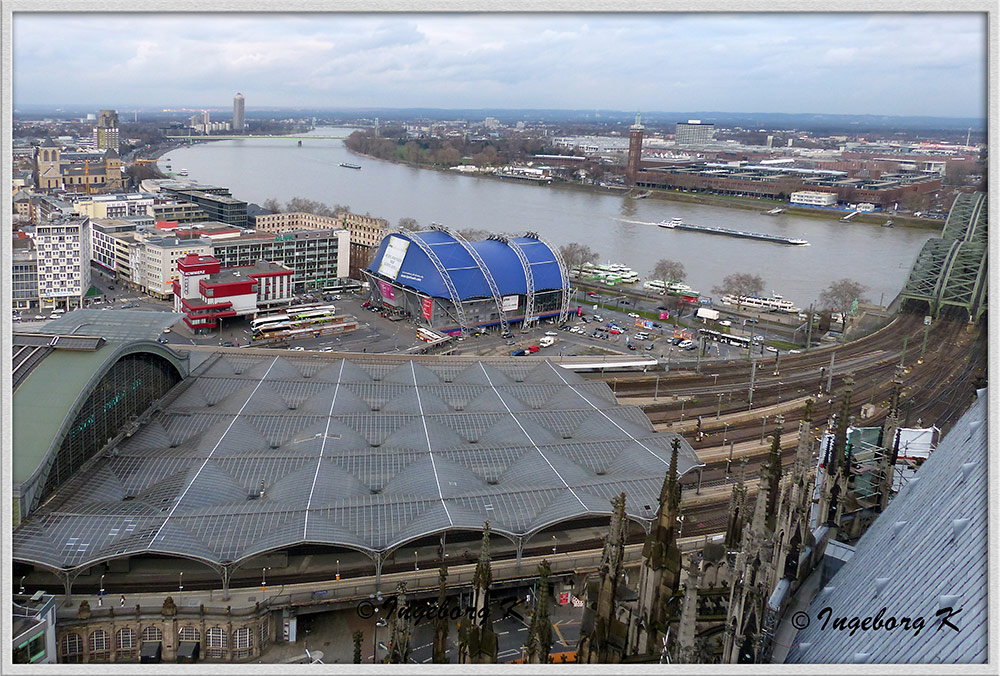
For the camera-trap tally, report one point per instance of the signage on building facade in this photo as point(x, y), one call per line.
point(385, 288)
point(509, 303)
point(392, 259)
point(427, 304)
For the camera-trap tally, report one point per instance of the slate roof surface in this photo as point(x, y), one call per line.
point(366, 453)
point(927, 551)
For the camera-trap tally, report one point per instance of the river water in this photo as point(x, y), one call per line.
point(620, 229)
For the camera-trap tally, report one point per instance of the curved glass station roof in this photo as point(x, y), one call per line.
point(254, 453)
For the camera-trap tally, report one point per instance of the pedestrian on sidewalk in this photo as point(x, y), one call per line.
point(122, 604)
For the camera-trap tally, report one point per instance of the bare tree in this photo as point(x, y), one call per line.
point(575, 254)
point(407, 223)
point(272, 205)
point(840, 296)
point(668, 271)
point(474, 234)
point(738, 285)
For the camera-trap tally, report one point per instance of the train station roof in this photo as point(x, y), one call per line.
point(253, 453)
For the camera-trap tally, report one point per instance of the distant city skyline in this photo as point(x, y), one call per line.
point(931, 64)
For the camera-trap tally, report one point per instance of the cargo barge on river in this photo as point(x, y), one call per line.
point(777, 239)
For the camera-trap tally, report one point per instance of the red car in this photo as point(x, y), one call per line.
point(532, 348)
point(591, 294)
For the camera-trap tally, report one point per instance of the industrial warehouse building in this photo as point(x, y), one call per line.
point(452, 285)
point(221, 464)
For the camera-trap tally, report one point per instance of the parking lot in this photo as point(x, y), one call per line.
point(593, 332)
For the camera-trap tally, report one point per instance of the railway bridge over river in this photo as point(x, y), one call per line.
point(950, 272)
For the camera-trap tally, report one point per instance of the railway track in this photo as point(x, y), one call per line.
point(936, 390)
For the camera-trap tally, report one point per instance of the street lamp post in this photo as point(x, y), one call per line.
point(553, 545)
point(416, 561)
point(762, 425)
point(718, 411)
point(338, 569)
point(180, 585)
point(24, 576)
point(378, 623)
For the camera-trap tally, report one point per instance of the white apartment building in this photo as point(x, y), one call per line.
point(814, 198)
point(116, 206)
point(157, 264)
point(63, 252)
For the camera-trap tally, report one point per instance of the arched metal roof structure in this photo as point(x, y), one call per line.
point(463, 271)
point(59, 373)
point(255, 452)
point(951, 270)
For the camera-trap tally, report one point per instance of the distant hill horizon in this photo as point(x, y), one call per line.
point(610, 118)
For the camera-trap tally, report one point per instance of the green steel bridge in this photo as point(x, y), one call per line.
point(951, 270)
point(228, 137)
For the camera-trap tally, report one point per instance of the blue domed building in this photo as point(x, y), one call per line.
point(452, 285)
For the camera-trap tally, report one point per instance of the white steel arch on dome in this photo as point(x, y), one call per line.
point(563, 274)
point(529, 280)
point(456, 299)
point(485, 269)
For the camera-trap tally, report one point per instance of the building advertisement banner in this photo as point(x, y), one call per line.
point(392, 259)
point(427, 305)
point(643, 323)
point(385, 288)
point(664, 314)
point(509, 303)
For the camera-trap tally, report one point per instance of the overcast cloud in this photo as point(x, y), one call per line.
point(890, 64)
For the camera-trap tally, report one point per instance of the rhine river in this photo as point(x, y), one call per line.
point(620, 229)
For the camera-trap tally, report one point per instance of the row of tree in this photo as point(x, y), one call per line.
point(839, 296)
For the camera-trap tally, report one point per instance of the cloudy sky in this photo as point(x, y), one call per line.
point(889, 64)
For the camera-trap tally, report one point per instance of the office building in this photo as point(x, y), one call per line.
point(106, 132)
point(34, 629)
point(24, 274)
point(317, 258)
point(694, 132)
point(205, 293)
point(814, 198)
point(239, 110)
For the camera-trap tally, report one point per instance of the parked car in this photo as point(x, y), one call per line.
point(684, 344)
point(591, 294)
point(598, 318)
point(633, 315)
point(631, 346)
point(532, 349)
point(162, 341)
point(649, 347)
point(518, 353)
point(551, 333)
point(725, 322)
point(676, 341)
point(229, 343)
point(692, 346)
